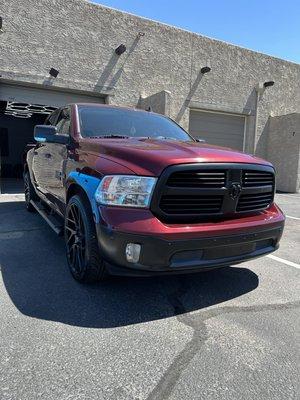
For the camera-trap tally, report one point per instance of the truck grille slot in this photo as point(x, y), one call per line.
point(199, 179)
point(191, 204)
point(189, 193)
point(257, 178)
point(254, 202)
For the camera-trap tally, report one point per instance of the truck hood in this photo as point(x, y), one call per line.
point(151, 156)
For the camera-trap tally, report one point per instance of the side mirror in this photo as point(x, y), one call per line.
point(48, 133)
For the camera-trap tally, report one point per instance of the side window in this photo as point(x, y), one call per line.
point(63, 122)
point(52, 118)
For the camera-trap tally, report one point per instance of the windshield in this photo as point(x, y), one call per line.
point(110, 122)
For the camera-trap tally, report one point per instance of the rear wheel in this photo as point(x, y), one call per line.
point(29, 193)
point(83, 255)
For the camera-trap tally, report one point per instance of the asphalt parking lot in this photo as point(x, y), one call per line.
point(227, 334)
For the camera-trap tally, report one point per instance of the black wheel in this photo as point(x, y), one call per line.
point(83, 255)
point(29, 193)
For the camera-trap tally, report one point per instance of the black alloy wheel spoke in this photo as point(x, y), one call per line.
point(26, 189)
point(71, 221)
point(72, 236)
point(75, 239)
point(73, 231)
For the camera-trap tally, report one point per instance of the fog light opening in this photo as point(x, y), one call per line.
point(132, 252)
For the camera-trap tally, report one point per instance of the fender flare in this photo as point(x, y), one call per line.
point(89, 185)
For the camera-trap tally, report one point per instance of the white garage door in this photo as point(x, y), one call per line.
point(218, 128)
point(49, 97)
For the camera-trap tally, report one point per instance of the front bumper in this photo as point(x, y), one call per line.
point(161, 255)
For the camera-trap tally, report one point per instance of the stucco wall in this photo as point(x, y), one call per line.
point(79, 38)
point(284, 150)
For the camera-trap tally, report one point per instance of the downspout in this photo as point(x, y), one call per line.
point(259, 88)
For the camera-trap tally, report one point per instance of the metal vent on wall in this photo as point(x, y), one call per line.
point(24, 110)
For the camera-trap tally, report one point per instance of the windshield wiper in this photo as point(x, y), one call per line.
point(110, 137)
point(164, 138)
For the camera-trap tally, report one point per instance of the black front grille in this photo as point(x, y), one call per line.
point(198, 179)
point(191, 204)
point(257, 178)
point(195, 192)
point(254, 201)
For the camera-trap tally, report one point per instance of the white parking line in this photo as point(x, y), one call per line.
point(288, 216)
point(282, 260)
point(294, 196)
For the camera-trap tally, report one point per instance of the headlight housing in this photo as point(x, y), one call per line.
point(125, 190)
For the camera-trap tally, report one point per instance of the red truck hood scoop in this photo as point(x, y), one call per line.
point(151, 156)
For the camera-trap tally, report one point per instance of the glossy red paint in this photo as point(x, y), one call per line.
point(150, 157)
point(96, 165)
point(145, 223)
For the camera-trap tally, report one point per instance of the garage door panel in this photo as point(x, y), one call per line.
point(217, 128)
point(44, 96)
point(234, 127)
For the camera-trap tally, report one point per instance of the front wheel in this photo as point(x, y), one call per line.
point(83, 255)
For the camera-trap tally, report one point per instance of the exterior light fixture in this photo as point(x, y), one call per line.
point(140, 34)
point(120, 49)
point(205, 70)
point(260, 89)
point(268, 84)
point(53, 72)
point(133, 251)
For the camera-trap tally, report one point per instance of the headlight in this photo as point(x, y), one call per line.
point(125, 190)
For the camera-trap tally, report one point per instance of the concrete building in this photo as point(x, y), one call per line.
point(161, 68)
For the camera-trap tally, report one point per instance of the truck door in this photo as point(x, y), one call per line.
point(40, 160)
point(57, 154)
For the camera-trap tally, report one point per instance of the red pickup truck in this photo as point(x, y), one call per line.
point(135, 194)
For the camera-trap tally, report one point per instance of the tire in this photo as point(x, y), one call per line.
point(29, 193)
point(82, 249)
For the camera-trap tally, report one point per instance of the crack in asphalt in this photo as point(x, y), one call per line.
point(22, 230)
point(168, 381)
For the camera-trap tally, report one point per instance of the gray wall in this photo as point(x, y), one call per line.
point(284, 150)
point(79, 38)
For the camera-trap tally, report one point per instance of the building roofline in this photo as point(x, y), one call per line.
point(191, 32)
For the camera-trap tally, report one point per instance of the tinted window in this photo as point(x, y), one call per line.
point(104, 121)
point(63, 122)
point(52, 118)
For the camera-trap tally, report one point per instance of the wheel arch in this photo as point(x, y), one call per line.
point(75, 189)
point(83, 185)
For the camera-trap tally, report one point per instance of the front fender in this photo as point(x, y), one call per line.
point(89, 184)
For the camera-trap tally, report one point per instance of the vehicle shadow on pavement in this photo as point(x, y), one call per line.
point(37, 280)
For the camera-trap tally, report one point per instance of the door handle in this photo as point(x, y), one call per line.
point(35, 153)
point(48, 155)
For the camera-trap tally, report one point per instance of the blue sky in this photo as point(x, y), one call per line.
point(271, 27)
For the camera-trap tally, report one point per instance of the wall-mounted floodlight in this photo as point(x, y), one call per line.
point(268, 84)
point(53, 72)
point(205, 70)
point(120, 49)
